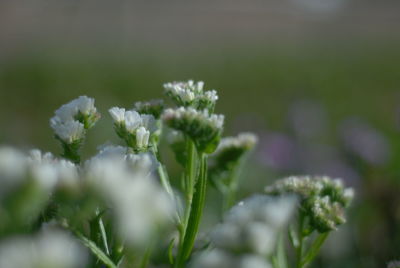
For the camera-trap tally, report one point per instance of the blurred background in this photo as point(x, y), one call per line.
point(318, 80)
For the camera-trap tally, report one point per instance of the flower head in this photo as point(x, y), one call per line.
point(69, 132)
point(191, 94)
point(81, 109)
point(323, 199)
point(252, 225)
point(153, 107)
point(136, 129)
point(231, 149)
point(204, 129)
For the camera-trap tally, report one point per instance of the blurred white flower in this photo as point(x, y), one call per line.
point(252, 225)
point(214, 259)
point(140, 205)
point(12, 169)
point(46, 250)
point(50, 171)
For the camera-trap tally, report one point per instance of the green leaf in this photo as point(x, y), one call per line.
point(96, 250)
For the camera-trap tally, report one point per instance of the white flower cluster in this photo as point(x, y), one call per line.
point(184, 93)
point(47, 249)
point(200, 126)
point(72, 119)
point(249, 228)
point(245, 140)
point(46, 171)
point(50, 171)
point(153, 107)
point(323, 199)
point(191, 94)
point(141, 207)
point(133, 127)
point(143, 163)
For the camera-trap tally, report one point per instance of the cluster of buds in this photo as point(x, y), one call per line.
point(134, 128)
point(231, 149)
point(153, 107)
point(249, 229)
point(70, 123)
point(191, 94)
point(204, 129)
point(323, 199)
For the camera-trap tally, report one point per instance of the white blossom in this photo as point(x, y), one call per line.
point(70, 131)
point(248, 226)
point(117, 114)
point(68, 111)
point(48, 249)
point(142, 137)
point(141, 206)
point(12, 169)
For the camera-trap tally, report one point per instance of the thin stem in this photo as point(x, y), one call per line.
point(314, 249)
point(190, 170)
point(299, 251)
point(162, 172)
point(230, 196)
point(146, 258)
point(195, 213)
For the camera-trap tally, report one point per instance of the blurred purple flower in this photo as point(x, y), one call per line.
point(278, 151)
point(307, 119)
point(362, 140)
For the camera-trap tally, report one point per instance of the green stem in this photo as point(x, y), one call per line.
point(146, 258)
point(314, 249)
point(195, 213)
point(190, 176)
point(230, 196)
point(299, 250)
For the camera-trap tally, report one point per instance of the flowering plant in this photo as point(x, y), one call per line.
point(124, 208)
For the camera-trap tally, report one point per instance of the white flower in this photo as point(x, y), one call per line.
point(68, 111)
point(132, 120)
point(260, 238)
point(48, 249)
point(111, 151)
point(85, 105)
point(211, 95)
point(141, 206)
point(149, 122)
point(248, 226)
point(50, 171)
point(184, 93)
point(142, 137)
point(118, 114)
point(12, 169)
point(69, 131)
point(198, 125)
